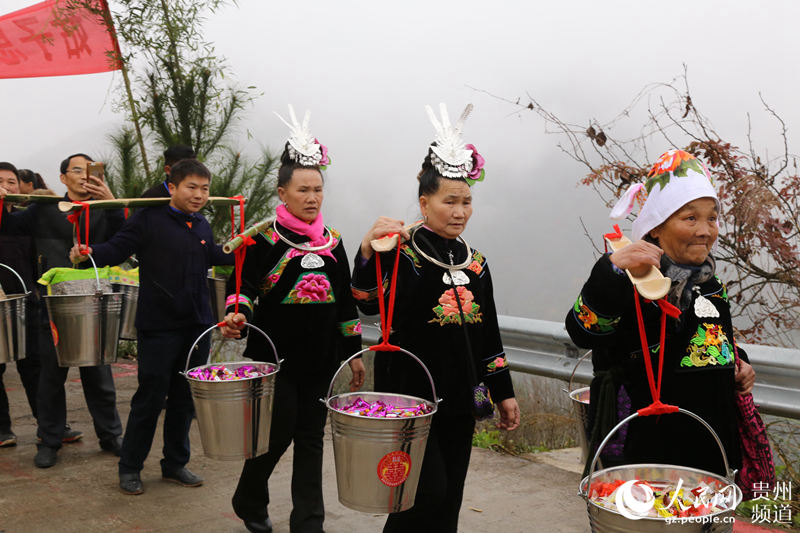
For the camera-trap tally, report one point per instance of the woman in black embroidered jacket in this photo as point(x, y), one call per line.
point(677, 226)
point(296, 287)
point(427, 323)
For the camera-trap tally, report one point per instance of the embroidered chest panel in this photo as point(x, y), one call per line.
point(708, 346)
point(446, 312)
point(308, 288)
point(311, 288)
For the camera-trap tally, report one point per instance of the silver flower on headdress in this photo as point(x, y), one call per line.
point(450, 156)
point(304, 148)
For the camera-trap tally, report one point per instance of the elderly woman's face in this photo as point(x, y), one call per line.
point(687, 236)
point(447, 211)
point(303, 194)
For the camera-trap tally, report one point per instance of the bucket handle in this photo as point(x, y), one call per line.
point(208, 360)
point(583, 490)
point(96, 272)
point(365, 350)
point(24, 288)
point(580, 360)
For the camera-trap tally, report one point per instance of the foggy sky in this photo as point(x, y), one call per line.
point(366, 69)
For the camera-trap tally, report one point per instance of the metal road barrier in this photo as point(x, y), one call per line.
point(543, 348)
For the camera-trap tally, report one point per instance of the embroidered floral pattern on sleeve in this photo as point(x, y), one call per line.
point(723, 292)
point(496, 364)
point(336, 236)
point(243, 300)
point(591, 321)
point(708, 346)
point(270, 235)
point(447, 310)
point(351, 328)
point(477, 262)
point(411, 254)
point(310, 288)
point(272, 277)
point(368, 295)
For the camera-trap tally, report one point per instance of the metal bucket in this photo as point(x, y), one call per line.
point(605, 520)
point(216, 293)
point(12, 323)
point(378, 460)
point(234, 416)
point(580, 406)
point(127, 328)
point(85, 327)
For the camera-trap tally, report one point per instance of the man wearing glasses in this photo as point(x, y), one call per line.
point(52, 234)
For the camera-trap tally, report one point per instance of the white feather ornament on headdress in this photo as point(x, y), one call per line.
point(303, 147)
point(450, 156)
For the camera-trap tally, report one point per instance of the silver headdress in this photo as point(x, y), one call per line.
point(303, 147)
point(450, 156)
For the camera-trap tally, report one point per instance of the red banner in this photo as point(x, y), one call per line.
point(40, 41)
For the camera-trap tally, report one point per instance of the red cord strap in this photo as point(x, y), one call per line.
point(386, 315)
point(240, 252)
point(657, 407)
point(1, 209)
point(241, 216)
point(75, 218)
point(238, 258)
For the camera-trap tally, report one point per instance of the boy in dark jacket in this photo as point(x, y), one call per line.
point(175, 248)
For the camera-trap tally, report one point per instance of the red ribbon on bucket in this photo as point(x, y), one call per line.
point(240, 252)
point(386, 315)
point(75, 218)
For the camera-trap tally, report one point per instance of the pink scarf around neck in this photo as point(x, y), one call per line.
point(315, 231)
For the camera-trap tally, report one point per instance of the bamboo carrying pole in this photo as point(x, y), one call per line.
point(252, 231)
point(119, 203)
point(33, 198)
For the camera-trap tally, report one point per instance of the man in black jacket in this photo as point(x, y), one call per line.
point(52, 235)
point(16, 252)
point(175, 248)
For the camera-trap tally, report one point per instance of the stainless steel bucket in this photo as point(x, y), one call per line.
point(378, 460)
point(12, 323)
point(216, 293)
point(234, 416)
point(85, 328)
point(580, 406)
point(604, 520)
point(127, 328)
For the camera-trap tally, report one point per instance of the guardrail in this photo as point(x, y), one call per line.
point(543, 348)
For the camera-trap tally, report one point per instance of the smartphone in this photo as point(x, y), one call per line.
point(95, 168)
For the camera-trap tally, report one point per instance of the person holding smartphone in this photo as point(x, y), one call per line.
point(52, 235)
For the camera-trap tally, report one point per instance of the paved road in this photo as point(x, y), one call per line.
point(504, 494)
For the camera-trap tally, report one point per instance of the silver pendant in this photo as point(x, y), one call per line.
point(459, 278)
point(703, 308)
point(311, 260)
